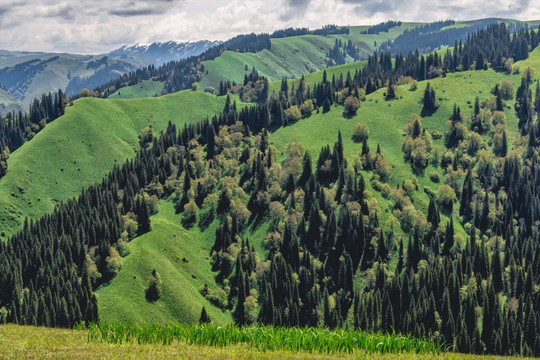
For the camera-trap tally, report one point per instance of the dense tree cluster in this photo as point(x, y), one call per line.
point(328, 260)
point(330, 29)
point(338, 54)
point(382, 27)
point(429, 37)
point(16, 128)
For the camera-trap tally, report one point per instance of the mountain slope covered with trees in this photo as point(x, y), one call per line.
point(401, 195)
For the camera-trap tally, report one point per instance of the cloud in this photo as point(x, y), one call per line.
point(98, 26)
point(142, 8)
point(298, 3)
point(62, 11)
point(135, 12)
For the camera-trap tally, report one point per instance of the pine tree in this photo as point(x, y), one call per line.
point(448, 238)
point(204, 318)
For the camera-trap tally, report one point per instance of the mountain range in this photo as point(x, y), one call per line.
point(26, 75)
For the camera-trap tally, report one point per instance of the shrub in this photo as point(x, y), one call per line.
point(191, 211)
point(146, 136)
point(507, 89)
point(114, 261)
point(436, 135)
point(292, 114)
point(435, 176)
point(153, 292)
point(123, 247)
point(446, 196)
point(360, 132)
point(307, 107)
point(351, 106)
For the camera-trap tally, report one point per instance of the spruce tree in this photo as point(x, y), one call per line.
point(204, 318)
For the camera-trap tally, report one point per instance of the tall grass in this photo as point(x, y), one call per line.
point(263, 338)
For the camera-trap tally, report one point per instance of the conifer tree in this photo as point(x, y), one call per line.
point(204, 318)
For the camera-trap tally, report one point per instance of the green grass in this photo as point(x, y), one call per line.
point(387, 118)
point(291, 57)
point(146, 88)
point(533, 61)
point(80, 147)
point(264, 338)
point(28, 342)
point(181, 257)
point(317, 77)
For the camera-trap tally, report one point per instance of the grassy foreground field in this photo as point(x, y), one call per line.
point(24, 342)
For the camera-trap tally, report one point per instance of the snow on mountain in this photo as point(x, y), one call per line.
point(161, 52)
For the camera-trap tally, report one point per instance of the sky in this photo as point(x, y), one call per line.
point(98, 26)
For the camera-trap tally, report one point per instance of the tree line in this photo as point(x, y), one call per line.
point(16, 128)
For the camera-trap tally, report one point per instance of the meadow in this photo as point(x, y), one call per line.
point(18, 342)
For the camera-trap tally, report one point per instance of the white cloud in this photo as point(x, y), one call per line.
point(96, 26)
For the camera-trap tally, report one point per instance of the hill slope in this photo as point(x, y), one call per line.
point(80, 147)
point(181, 257)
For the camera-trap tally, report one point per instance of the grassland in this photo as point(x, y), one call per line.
point(386, 119)
point(264, 338)
point(146, 88)
point(168, 242)
point(182, 259)
point(80, 147)
point(293, 56)
point(25, 342)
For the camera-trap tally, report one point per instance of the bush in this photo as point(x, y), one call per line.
point(292, 114)
point(123, 247)
point(153, 292)
point(435, 176)
point(360, 132)
point(446, 196)
point(146, 136)
point(191, 211)
point(114, 261)
point(307, 107)
point(352, 105)
point(436, 135)
point(507, 89)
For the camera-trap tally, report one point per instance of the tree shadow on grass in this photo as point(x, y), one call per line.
point(428, 112)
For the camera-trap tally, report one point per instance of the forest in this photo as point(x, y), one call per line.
point(477, 293)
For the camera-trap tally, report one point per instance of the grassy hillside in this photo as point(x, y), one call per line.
point(18, 342)
point(386, 119)
point(168, 242)
point(293, 56)
point(146, 88)
point(80, 147)
point(181, 257)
